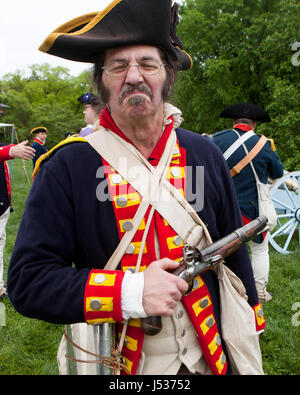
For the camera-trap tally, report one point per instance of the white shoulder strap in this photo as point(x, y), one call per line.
point(104, 142)
point(241, 140)
point(251, 164)
point(156, 190)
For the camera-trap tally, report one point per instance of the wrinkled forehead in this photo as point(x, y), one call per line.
point(132, 53)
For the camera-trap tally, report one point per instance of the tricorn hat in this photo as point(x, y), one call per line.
point(40, 129)
point(245, 110)
point(121, 23)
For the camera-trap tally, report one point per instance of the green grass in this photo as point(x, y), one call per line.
point(28, 347)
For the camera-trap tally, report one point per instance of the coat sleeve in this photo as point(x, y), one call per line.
point(4, 153)
point(43, 282)
point(275, 167)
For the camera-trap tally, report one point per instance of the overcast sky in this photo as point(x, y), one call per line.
point(25, 24)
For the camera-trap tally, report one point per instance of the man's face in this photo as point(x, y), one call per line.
point(134, 94)
point(42, 136)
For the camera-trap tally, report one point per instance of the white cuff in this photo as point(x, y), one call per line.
point(132, 295)
point(10, 152)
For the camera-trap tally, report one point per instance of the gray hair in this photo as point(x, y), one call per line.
point(247, 121)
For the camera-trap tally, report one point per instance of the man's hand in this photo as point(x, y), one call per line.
point(22, 151)
point(162, 290)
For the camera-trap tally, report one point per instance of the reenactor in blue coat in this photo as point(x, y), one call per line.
point(266, 164)
point(39, 142)
point(82, 207)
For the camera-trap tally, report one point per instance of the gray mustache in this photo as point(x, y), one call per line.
point(132, 88)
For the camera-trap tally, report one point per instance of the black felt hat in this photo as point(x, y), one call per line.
point(245, 110)
point(121, 23)
point(39, 129)
point(89, 98)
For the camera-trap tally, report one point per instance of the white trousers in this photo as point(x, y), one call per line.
point(3, 222)
point(260, 262)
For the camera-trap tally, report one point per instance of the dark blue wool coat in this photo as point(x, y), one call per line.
point(66, 231)
point(39, 151)
point(266, 164)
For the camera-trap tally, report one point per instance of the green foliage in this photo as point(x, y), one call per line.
point(242, 51)
point(44, 96)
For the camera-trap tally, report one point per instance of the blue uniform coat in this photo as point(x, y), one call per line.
point(266, 164)
point(40, 149)
point(66, 231)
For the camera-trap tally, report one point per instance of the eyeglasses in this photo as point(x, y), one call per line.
point(145, 68)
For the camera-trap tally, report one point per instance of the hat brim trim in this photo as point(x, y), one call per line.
point(188, 55)
point(39, 128)
point(90, 20)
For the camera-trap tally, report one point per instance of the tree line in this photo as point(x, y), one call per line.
point(243, 50)
point(44, 96)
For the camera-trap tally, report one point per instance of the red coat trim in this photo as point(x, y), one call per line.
point(201, 312)
point(259, 317)
point(102, 298)
point(4, 156)
point(248, 220)
point(36, 140)
point(4, 152)
point(133, 345)
point(7, 179)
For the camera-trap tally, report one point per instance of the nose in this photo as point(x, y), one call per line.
point(133, 75)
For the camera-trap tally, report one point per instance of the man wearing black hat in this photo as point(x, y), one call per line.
point(8, 152)
point(266, 164)
point(39, 142)
point(92, 108)
point(118, 206)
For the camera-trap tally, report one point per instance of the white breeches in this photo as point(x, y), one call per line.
point(260, 262)
point(3, 222)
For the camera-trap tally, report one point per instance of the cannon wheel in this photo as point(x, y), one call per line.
point(287, 204)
